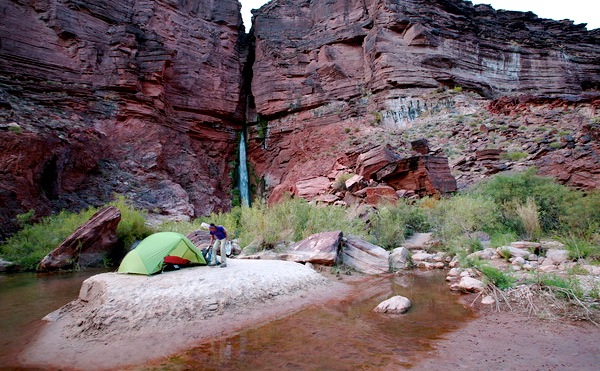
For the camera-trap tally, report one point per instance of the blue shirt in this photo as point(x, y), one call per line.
point(219, 233)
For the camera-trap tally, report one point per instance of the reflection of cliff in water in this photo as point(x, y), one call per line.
point(344, 335)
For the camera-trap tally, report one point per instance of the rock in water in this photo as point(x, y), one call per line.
point(394, 305)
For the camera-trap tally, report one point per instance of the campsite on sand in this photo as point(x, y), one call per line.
point(133, 317)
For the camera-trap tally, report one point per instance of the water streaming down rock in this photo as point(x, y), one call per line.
point(243, 184)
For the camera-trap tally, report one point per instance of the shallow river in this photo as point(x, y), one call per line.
point(344, 335)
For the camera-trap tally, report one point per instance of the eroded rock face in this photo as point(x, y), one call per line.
point(326, 73)
point(311, 53)
point(133, 97)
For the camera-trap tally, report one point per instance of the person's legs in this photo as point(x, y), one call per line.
point(213, 255)
point(223, 253)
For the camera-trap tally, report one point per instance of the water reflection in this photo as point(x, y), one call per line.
point(25, 298)
point(344, 335)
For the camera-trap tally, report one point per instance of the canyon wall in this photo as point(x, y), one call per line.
point(141, 98)
point(328, 75)
point(146, 99)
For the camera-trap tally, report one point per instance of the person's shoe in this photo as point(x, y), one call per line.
point(223, 265)
point(212, 264)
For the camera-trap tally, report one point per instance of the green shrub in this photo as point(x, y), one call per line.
point(513, 156)
point(581, 249)
point(132, 226)
point(581, 215)
point(495, 276)
point(510, 191)
point(461, 215)
point(503, 237)
point(391, 224)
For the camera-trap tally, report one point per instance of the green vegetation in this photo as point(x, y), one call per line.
point(495, 276)
point(340, 181)
point(514, 155)
point(392, 223)
point(507, 208)
point(29, 246)
point(561, 286)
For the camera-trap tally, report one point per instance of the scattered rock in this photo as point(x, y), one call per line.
point(400, 259)
point(394, 305)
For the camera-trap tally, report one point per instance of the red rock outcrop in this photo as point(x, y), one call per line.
point(89, 245)
point(141, 98)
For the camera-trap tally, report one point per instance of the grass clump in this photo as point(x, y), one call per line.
point(513, 156)
point(562, 287)
point(494, 276)
point(455, 219)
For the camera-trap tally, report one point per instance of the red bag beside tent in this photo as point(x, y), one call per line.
point(175, 260)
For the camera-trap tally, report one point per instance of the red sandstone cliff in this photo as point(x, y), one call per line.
point(144, 98)
point(134, 97)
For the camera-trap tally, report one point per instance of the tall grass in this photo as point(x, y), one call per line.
point(460, 216)
point(392, 223)
point(529, 217)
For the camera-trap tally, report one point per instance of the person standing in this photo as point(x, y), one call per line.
point(218, 234)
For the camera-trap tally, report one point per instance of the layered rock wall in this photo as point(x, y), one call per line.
point(144, 98)
point(325, 73)
point(134, 97)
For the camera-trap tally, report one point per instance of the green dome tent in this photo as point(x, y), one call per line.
point(147, 257)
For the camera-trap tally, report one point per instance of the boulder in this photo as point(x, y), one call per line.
point(394, 305)
point(420, 241)
point(488, 300)
point(311, 188)
point(376, 163)
point(425, 175)
point(380, 194)
point(400, 259)
point(7, 266)
point(88, 246)
point(513, 251)
point(556, 257)
point(421, 146)
point(320, 248)
point(468, 284)
point(485, 254)
point(354, 183)
point(364, 256)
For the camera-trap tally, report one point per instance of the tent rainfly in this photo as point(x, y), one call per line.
point(147, 257)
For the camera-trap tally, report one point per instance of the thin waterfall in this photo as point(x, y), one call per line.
point(244, 192)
